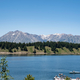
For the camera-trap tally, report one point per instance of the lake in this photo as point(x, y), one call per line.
point(43, 67)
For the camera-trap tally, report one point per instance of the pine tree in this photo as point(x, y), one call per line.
point(34, 51)
point(25, 48)
point(44, 50)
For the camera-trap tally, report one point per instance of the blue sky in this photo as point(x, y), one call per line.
point(40, 16)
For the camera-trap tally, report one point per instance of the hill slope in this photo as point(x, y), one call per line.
point(39, 48)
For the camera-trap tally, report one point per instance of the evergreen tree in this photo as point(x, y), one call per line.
point(10, 50)
point(22, 49)
point(44, 50)
point(34, 51)
point(25, 48)
point(14, 50)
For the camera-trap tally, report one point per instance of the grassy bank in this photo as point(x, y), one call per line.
point(30, 51)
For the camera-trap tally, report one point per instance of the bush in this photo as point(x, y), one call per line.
point(29, 77)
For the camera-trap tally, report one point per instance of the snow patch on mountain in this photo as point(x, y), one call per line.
point(13, 34)
point(18, 36)
point(44, 36)
point(57, 34)
point(24, 34)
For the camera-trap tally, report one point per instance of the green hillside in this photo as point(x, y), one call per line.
point(40, 48)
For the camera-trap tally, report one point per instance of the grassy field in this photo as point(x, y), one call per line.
point(30, 49)
point(63, 50)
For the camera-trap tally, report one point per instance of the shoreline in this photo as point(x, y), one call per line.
point(32, 54)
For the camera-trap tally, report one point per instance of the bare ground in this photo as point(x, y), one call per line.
point(26, 53)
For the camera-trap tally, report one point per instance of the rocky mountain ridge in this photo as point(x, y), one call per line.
point(19, 36)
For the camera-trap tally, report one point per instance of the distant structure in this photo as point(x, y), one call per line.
point(63, 77)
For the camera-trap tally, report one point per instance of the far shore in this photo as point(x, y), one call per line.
point(38, 53)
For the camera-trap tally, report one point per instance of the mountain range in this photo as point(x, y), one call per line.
point(19, 36)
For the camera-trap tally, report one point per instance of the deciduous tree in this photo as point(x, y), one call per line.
point(4, 71)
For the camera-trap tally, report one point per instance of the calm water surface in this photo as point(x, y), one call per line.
point(43, 67)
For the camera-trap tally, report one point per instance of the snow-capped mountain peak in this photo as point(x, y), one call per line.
point(18, 36)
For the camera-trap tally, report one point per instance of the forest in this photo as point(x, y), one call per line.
point(38, 46)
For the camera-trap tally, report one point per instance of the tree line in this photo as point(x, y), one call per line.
point(39, 46)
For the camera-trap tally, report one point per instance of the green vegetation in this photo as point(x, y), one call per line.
point(29, 77)
point(4, 71)
point(45, 47)
point(48, 50)
point(30, 49)
point(34, 51)
point(67, 78)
